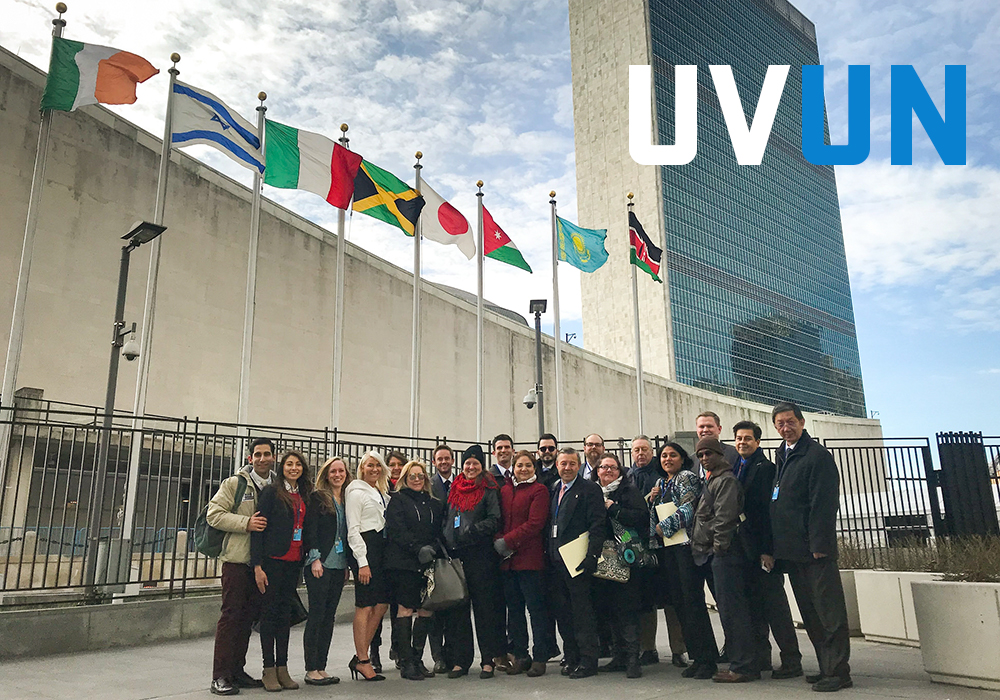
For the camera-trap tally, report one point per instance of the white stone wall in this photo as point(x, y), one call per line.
point(101, 177)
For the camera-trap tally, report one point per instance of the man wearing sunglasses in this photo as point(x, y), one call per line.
point(546, 454)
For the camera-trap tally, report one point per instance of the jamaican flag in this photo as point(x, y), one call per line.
point(643, 254)
point(381, 194)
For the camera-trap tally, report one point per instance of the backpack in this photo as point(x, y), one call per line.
point(207, 539)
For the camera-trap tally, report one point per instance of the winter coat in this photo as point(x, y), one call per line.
point(755, 533)
point(476, 527)
point(412, 520)
point(276, 538)
point(525, 512)
point(645, 478)
point(719, 513)
point(804, 514)
point(628, 507)
point(236, 545)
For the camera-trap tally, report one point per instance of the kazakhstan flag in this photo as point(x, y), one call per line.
point(581, 247)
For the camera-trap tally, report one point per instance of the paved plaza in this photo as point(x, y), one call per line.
point(183, 669)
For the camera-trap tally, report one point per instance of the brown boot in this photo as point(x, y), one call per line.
point(284, 679)
point(537, 669)
point(270, 680)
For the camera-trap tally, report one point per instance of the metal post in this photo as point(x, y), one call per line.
point(479, 317)
point(16, 339)
point(338, 318)
point(101, 466)
point(415, 341)
point(538, 373)
point(555, 312)
point(639, 388)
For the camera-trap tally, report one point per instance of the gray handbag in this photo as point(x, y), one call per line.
point(445, 584)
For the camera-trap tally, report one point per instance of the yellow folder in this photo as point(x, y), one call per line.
point(574, 552)
point(664, 511)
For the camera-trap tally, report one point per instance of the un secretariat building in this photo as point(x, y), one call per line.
point(756, 301)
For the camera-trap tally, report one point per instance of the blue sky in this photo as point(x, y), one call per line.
point(483, 90)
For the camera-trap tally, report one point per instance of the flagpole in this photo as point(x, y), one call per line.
point(149, 307)
point(415, 342)
point(639, 388)
point(479, 317)
point(249, 306)
point(555, 311)
point(16, 339)
point(338, 319)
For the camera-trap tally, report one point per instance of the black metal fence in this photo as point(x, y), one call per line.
point(892, 494)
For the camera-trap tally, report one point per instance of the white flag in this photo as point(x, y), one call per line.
point(198, 116)
point(442, 223)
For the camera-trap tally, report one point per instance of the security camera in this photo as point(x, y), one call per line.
point(530, 399)
point(130, 351)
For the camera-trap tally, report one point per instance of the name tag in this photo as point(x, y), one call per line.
point(458, 521)
point(774, 494)
point(555, 529)
point(248, 495)
point(743, 517)
point(339, 547)
point(297, 534)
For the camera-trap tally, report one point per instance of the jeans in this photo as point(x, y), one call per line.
point(324, 596)
point(525, 589)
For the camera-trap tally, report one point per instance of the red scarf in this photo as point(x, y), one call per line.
point(465, 494)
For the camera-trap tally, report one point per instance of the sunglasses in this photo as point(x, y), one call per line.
point(546, 449)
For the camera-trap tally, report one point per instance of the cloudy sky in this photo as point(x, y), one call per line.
point(483, 90)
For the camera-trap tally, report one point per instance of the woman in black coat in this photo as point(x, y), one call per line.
point(326, 565)
point(472, 518)
point(619, 603)
point(412, 526)
point(276, 556)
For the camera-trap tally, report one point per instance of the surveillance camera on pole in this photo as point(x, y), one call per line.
point(530, 399)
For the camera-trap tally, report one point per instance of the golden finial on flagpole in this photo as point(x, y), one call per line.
point(418, 155)
point(343, 127)
point(479, 184)
point(175, 57)
point(552, 193)
point(630, 195)
point(261, 95)
point(61, 8)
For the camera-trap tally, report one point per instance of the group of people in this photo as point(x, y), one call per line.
point(578, 543)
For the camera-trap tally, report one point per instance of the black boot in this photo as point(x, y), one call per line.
point(403, 633)
point(421, 626)
point(633, 669)
point(616, 664)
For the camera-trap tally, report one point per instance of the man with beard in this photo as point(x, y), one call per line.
point(546, 454)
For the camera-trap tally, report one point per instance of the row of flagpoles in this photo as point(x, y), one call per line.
point(285, 157)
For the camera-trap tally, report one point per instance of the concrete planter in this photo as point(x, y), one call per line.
point(885, 605)
point(959, 627)
point(850, 598)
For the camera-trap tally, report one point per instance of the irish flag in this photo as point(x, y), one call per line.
point(302, 160)
point(86, 74)
point(497, 244)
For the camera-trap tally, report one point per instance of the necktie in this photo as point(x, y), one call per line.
point(562, 492)
point(447, 487)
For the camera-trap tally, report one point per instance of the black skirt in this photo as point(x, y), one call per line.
point(406, 587)
point(375, 592)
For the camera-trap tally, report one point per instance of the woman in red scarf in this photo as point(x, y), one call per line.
point(473, 516)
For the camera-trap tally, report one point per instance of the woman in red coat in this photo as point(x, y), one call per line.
point(524, 503)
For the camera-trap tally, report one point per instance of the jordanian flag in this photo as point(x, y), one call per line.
point(302, 160)
point(86, 74)
point(497, 244)
point(381, 194)
point(643, 253)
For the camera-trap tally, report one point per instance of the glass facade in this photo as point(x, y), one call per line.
point(759, 294)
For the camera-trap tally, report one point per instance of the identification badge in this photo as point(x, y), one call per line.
point(297, 534)
point(774, 494)
point(743, 517)
point(248, 495)
point(339, 547)
point(555, 529)
point(458, 521)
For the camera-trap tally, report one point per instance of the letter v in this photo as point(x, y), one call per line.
point(640, 117)
point(749, 144)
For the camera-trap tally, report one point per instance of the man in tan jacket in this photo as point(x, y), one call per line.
point(240, 597)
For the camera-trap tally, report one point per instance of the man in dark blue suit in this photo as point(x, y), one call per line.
point(577, 507)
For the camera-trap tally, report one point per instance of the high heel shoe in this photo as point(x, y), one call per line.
point(353, 666)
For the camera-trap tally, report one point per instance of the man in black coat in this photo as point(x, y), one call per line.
point(577, 507)
point(804, 505)
point(766, 585)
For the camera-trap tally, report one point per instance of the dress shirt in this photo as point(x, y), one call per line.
point(365, 506)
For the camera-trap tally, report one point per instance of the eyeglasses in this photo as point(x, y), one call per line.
point(547, 448)
point(593, 444)
point(608, 466)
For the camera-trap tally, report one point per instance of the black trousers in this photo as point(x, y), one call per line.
point(276, 609)
point(324, 597)
point(819, 594)
point(574, 611)
point(730, 573)
point(482, 574)
point(687, 586)
point(240, 609)
point(769, 611)
point(618, 606)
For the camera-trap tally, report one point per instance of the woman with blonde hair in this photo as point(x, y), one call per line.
point(325, 566)
point(412, 527)
point(365, 500)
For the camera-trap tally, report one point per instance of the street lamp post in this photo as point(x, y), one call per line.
point(142, 232)
point(537, 307)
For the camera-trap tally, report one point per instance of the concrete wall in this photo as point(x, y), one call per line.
point(101, 178)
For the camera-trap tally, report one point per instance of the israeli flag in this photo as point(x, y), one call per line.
point(198, 116)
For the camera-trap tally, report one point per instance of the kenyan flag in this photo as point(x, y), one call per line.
point(643, 254)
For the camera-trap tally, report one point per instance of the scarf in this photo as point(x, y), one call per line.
point(465, 494)
point(290, 488)
point(529, 480)
point(612, 487)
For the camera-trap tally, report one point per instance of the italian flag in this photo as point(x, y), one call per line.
point(497, 244)
point(302, 160)
point(86, 74)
